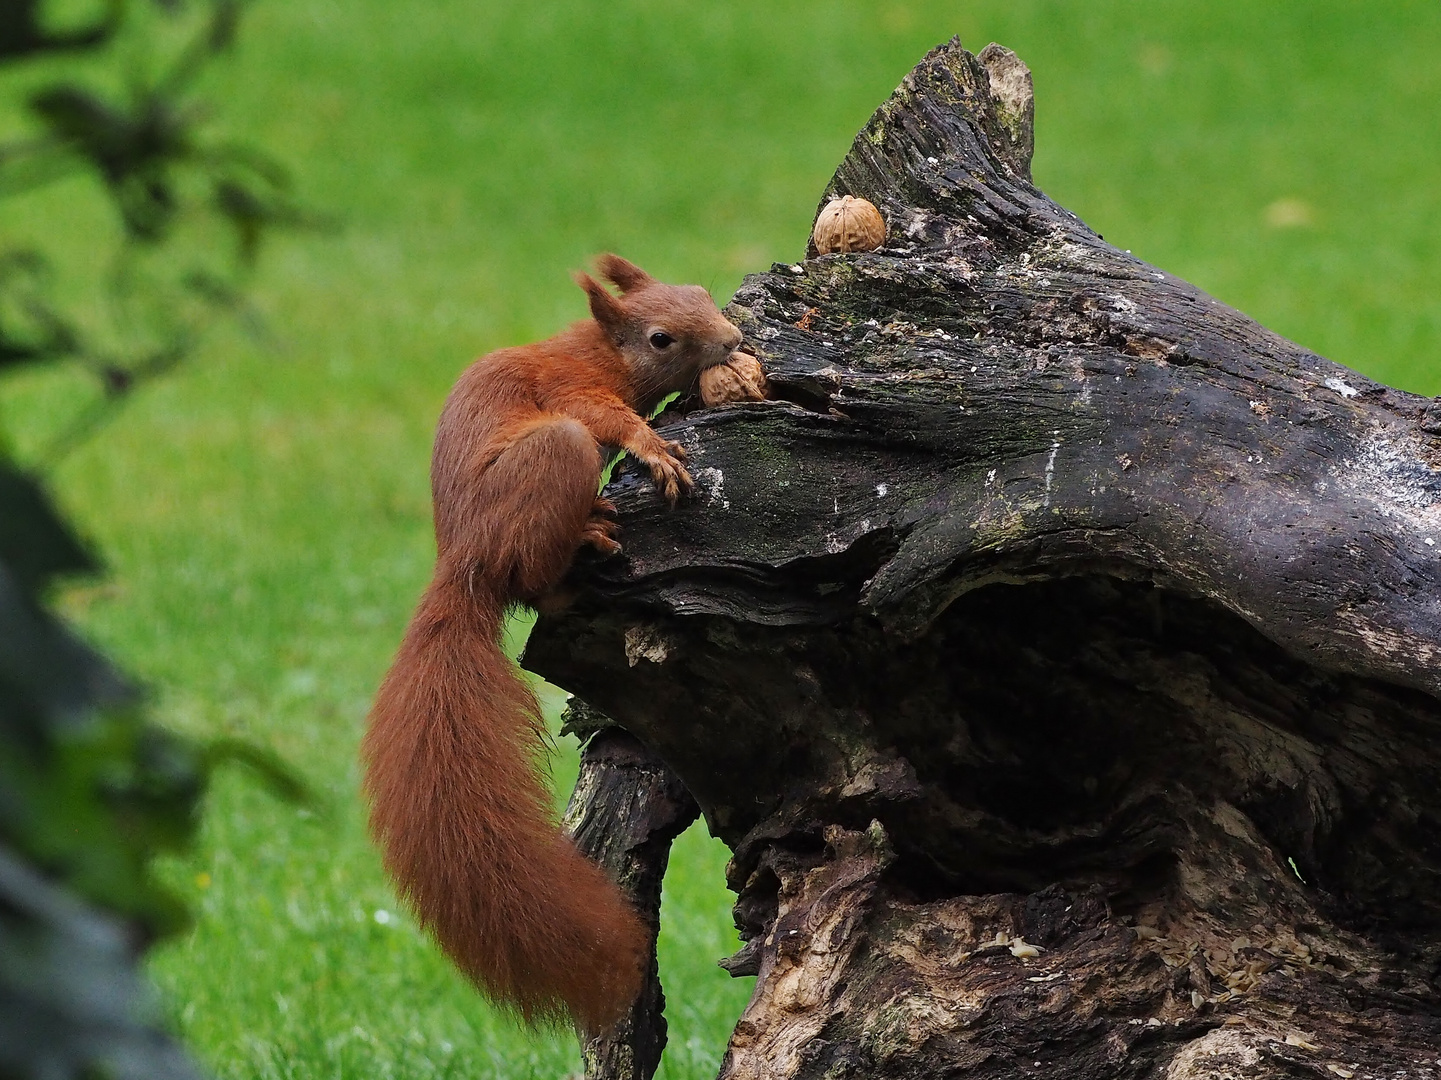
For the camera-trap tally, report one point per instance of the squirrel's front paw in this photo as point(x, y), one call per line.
point(670, 476)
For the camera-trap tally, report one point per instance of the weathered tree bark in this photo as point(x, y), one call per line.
point(626, 810)
point(1059, 659)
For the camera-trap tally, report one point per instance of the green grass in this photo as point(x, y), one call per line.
point(265, 513)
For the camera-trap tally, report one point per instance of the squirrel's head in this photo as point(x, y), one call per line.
point(668, 334)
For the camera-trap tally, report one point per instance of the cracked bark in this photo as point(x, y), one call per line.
point(626, 810)
point(1058, 656)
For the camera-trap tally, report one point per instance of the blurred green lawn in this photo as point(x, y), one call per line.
point(265, 513)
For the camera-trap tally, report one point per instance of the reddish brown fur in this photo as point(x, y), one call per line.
point(455, 742)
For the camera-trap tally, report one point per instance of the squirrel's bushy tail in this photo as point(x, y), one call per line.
point(452, 759)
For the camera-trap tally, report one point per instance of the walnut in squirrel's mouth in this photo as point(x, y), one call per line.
point(739, 378)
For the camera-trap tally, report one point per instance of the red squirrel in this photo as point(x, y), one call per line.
point(454, 751)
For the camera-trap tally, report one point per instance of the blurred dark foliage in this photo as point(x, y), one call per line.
point(149, 149)
point(23, 33)
point(90, 789)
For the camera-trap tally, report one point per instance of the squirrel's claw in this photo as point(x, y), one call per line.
point(663, 459)
point(671, 478)
point(604, 544)
point(600, 531)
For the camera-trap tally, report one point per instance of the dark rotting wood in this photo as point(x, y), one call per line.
point(626, 810)
point(1059, 656)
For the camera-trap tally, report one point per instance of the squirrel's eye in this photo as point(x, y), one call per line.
point(661, 340)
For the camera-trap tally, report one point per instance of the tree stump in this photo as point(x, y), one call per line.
point(1059, 657)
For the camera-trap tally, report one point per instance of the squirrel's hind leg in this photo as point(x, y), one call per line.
point(539, 494)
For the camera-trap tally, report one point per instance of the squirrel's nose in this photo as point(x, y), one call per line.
point(736, 338)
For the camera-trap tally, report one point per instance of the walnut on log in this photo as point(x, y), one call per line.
point(1053, 600)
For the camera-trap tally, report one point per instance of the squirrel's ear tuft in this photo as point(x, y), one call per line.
point(604, 307)
point(626, 275)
